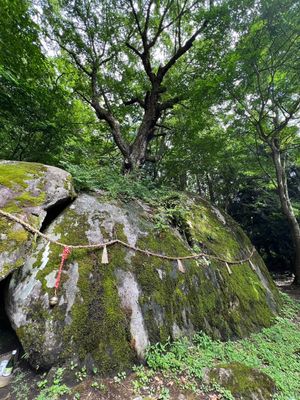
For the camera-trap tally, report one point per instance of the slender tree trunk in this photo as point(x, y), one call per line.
point(210, 188)
point(286, 205)
point(199, 186)
point(182, 181)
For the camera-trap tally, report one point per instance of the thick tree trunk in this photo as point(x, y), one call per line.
point(136, 157)
point(138, 149)
point(137, 154)
point(286, 205)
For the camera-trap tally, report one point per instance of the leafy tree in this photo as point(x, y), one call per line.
point(264, 89)
point(34, 119)
point(204, 95)
point(129, 61)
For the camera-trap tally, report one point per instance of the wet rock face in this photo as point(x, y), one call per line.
point(108, 314)
point(27, 190)
point(245, 383)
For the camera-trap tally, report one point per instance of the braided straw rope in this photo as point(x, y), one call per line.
point(31, 229)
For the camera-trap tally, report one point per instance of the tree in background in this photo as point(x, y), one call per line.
point(264, 90)
point(221, 155)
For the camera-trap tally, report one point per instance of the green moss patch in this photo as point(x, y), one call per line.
point(16, 176)
point(243, 382)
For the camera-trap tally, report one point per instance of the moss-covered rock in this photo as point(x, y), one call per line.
point(109, 313)
point(244, 383)
point(27, 190)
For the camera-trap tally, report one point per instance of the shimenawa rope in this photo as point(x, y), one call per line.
point(31, 229)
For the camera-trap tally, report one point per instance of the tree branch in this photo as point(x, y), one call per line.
point(147, 18)
point(135, 100)
point(181, 51)
point(83, 97)
point(75, 58)
point(169, 103)
point(134, 49)
point(105, 115)
point(160, 28)
point(283, 124)
point(136, 17)
point(163, 127)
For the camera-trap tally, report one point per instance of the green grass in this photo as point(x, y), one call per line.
point(274, 350)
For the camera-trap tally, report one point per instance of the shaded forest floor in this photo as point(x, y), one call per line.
point(169, 379)
point(291, 290)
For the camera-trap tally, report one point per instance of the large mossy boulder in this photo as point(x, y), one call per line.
point(27, 190)
point(108, 314)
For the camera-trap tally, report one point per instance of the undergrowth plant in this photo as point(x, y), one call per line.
point(170, 204)
point(55, 390)
point(135, 185)
point(274, 350)
point(20, 388)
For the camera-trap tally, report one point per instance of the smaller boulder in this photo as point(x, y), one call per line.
point(28, 191)
point(245, 383)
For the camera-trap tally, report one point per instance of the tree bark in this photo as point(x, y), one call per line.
point(286, 205)
point(145, 133)
point(210, 188)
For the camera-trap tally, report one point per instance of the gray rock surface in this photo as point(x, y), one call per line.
point(108, 314)
point(27, 190)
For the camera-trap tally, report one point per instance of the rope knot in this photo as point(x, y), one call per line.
point(66, 252)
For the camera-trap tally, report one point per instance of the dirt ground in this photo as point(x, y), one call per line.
point(124, 390)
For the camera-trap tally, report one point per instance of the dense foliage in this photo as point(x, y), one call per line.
point(33, 107)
